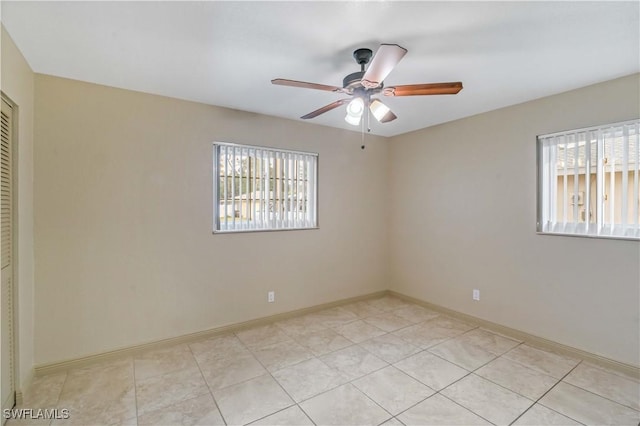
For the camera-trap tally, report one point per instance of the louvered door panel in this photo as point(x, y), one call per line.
point(7, 373)
point(5, 185)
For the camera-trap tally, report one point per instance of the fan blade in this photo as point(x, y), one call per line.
point(381, 112)
point(304, 84)
point(325, 108)
point(424, 89)
point(385, 60)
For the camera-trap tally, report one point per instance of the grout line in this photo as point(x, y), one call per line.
point(468, 409)
point(399, 421)
point(580, 361)
point(271, 375)
point(549, 390)
point(271, 414)
point(372, 400)
point(135, 386)
point(598, 395)
point(306, 414)
point(207, 383)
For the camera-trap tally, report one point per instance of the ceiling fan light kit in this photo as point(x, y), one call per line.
point(380, 111)
point(354, 120)
point(355, 108)
point(364, 84)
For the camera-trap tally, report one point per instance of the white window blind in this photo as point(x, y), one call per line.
point(588, 181)
point(259, 188)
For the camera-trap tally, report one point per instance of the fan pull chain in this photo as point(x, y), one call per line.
point(362, 134)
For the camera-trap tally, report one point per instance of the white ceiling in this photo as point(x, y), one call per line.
point(226, 53)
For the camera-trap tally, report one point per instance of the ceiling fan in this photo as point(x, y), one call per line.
point(363, 85)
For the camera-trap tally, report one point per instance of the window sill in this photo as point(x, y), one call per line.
point(602, 237)
point(243, 231)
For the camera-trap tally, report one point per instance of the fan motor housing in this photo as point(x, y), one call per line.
point(352, 81)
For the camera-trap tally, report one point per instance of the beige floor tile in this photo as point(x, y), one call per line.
point(201, 410)
point(102, 393)
point(323, 341)
point(44, 391)
point(162, 391)
point(359, 331)
point(99, 377)
point(279, 355)
point(127, 422)
point(392, 389)
point(218, 347)
point(362, 309)
point(93, 411)
point(163, 361)
point(488, 400)
point(449, 323)
point(392, 422)
point(251, 400)
point(292, 416)
point(24, 419)
point(440, 411)
point(296, 326)
point(611, 386)
point(462, 353)
point(416, 314)
point(546, 362)
point(388, 321)
point(309, 378)
point(263, 335)
point(390, 348)
point(353, 361)
point(27, 422)
point(517, 377)
point(345, 405)
point(623, 374)
point(431, 370)
point(433, 332)
point(489, 341)
point(587, 407)
point(539, 415)
point(223, 372)
point(333, 317)
point(388, 303)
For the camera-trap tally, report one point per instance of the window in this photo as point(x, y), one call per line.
point(588, 181)
point(258, 189)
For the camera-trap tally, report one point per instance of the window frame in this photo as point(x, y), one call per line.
point(543, 191)
point(313, 199)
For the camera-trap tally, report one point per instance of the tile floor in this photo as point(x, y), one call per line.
point(383, 361)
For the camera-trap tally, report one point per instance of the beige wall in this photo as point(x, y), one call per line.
point(17, 82)
point(124, 245)
point(465, 218)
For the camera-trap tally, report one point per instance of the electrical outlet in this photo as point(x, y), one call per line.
point(271, 296)
point(476, 294)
